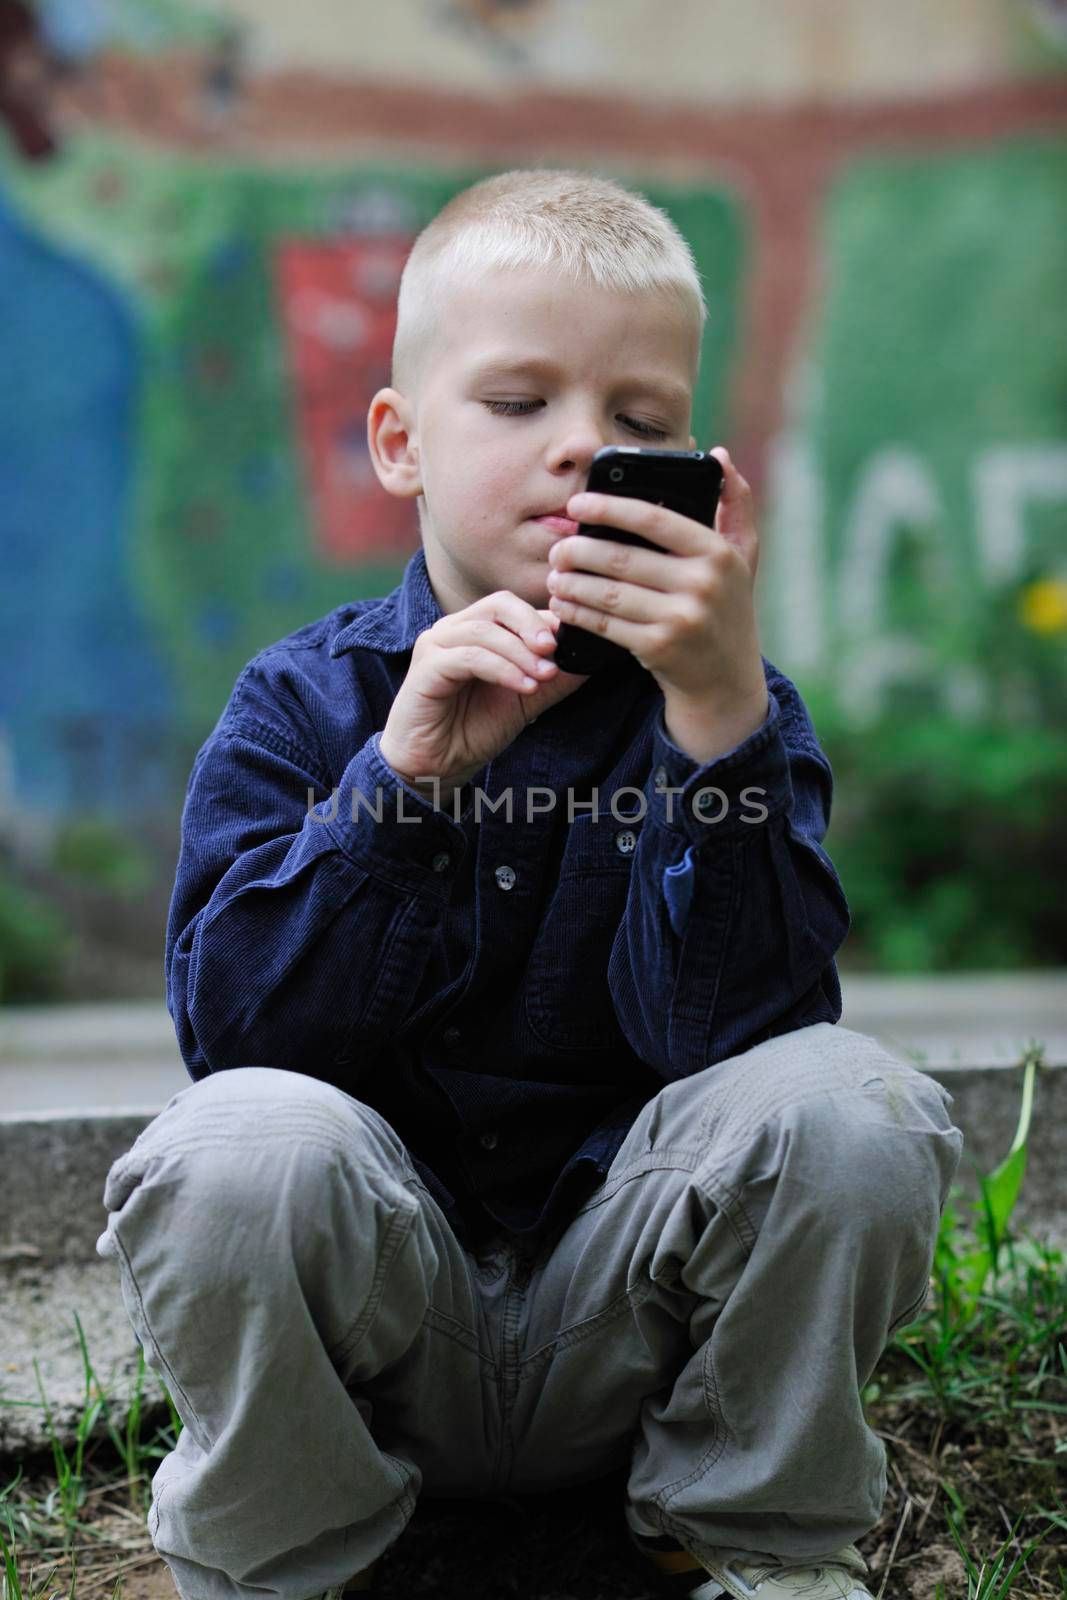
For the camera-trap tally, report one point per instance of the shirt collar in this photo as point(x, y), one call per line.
point(393, 624)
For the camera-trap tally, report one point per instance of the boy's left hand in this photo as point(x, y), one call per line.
point(688, 615)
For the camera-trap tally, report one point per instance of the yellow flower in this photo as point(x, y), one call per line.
point(1043, 605)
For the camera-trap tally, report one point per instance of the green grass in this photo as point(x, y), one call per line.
point(970, 1399)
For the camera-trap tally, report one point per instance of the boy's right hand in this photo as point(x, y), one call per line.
point(463, 701)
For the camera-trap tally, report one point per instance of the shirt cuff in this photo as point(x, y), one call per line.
point(729, 797)
point(392, 829)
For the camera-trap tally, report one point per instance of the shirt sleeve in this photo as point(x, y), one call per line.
point(298, 925)
point(735, 911)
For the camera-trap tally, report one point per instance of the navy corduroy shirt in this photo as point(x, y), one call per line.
point(509, 988)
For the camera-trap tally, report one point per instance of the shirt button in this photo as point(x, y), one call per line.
point(625, 842)
point(659, 777)
point(488, 1141)
point(505, 877)
point(451, 1036)
point(441, 860)
point(708, 802)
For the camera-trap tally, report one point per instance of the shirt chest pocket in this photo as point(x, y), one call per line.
point(568, 1003)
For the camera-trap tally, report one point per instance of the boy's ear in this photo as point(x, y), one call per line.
point(393, 444)
point(692, 442)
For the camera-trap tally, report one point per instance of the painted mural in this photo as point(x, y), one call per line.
point(920, 492)
point(198, 265)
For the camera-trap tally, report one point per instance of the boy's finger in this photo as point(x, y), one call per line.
point(730, 472)
point(734, 486)
point(734, 517)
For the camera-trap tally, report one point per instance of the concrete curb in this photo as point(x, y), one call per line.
point(53, 1164)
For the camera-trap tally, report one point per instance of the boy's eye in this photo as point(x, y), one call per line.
point(518, 408)
point(511, 408)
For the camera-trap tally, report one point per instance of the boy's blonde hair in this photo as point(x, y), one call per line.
point(590, 228)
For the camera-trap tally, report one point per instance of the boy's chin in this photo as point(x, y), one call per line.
point(534, 590)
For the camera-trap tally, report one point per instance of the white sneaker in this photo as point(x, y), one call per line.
point(743, 1577)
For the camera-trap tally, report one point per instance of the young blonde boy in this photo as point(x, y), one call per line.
point(545, 1155)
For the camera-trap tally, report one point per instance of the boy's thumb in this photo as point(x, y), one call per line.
point(734, 519)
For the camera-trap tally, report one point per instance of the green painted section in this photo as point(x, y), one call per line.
point(929, 484)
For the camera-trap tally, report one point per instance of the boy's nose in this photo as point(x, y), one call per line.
point(576, 448)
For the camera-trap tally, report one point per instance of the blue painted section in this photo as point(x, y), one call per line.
point(85, 698)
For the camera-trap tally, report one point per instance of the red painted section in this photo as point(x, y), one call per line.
point(338, 312)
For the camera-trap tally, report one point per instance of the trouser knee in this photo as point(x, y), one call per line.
point(255, 1163)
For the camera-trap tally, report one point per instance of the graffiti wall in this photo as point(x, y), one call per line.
point(202, 225)
point(921, 480)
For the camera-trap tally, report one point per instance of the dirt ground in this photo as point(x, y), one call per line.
point(572, 1544)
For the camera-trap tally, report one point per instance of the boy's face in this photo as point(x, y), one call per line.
point(490, 447)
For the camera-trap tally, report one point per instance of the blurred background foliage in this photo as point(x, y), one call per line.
point(949, 833)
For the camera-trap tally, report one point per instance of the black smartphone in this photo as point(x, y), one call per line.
point(686, 481)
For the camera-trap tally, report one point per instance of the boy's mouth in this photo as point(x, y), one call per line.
point(558, 521)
